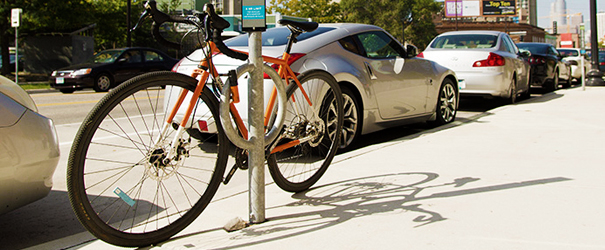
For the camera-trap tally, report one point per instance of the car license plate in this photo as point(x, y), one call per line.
point(461, 84)
point(60, 80)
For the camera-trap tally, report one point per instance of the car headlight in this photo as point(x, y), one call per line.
point(81, 72)
point(54, 73)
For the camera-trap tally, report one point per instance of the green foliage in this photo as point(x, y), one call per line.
point(322, 11)
point(170, 6)
point(415, 16)
point(395, 16)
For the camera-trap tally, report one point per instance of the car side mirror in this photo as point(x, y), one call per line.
point(123, 60)
point(411, 51)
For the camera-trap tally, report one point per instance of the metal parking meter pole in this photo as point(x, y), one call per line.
point(254, 22)
point(15, 22)
point(256, 156)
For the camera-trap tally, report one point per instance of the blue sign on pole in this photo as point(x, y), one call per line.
point(254, 12)
point(254, 15)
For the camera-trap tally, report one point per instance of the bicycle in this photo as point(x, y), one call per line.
point(143, 166)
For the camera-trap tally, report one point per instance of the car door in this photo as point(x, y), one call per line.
point(520, 65)
point(153, 61)
point(130, 64)
point(400, 84)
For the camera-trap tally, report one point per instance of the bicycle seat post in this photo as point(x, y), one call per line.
point(292, 38)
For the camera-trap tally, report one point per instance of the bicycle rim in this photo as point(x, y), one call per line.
point(120, 186)
point(319, 126)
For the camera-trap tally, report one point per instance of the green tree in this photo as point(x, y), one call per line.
point(170, 6)
point(40, 16)
point(421, 30)
point(66, 16)
point(395, 16)
point(322, 11)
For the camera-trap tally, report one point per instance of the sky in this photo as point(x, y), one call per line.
point(573, 6)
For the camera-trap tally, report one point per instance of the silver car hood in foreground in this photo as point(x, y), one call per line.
point(29, 149)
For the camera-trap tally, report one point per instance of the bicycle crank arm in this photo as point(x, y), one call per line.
point(290, 144)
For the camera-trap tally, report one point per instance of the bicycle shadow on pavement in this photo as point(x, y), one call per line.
point(47, 220)
point(332, 204)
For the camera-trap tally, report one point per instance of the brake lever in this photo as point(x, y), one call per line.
point(143, 16)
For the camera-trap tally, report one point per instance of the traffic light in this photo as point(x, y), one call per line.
point(554, 27)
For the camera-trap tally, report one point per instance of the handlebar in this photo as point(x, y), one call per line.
point(208, 21)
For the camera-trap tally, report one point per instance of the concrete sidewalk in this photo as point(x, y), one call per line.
point(523, 176)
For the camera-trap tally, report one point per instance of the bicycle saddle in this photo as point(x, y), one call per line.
point(306, 26)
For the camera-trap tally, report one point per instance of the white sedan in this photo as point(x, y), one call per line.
point(575, 58)
point(487, 63)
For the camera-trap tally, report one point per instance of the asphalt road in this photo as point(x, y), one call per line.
point(52, 220)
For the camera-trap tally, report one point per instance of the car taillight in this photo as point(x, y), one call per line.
point(492, 60)
point(291, 60)
point(536, 60)
point(421, 55)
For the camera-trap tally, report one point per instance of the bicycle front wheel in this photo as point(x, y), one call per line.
point(122, 184)
point(314, 130)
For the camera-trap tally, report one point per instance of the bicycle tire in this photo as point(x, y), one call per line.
point(118, 188)
point(296, 169)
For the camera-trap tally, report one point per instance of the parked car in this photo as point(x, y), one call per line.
point(383, 83)
point(109, 68)
point(487, 63)
point(29, 149)
point(547, 66)
point(576, 59)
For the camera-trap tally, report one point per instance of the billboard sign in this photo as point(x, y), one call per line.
point(499, 8)
point(462, 8)
point(473, 8)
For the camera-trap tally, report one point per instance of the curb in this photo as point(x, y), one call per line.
point(38, 91)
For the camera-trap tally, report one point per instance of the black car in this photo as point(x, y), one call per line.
point(547, 66)
point(109, 68)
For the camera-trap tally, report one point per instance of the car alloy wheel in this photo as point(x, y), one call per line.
point(103, 83)
point(512, 98)
point(448, 103)
point(350, 126)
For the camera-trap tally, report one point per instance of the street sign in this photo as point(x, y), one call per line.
point(254, 15)
point(15, 17)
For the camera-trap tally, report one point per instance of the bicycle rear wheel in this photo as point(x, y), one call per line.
point(121, 185)
point(317, 127)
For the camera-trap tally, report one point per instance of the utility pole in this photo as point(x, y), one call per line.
point(595, 76)
point(128, 36)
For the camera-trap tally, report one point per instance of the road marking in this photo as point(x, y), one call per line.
point(64, 103)
point(86, 102)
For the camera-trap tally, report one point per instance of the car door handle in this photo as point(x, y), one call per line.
point(370, 72)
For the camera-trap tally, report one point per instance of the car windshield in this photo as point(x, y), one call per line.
point(568, 52)
point(275, 37)
point(106, 56)
point(534, 48)
point(469, 41)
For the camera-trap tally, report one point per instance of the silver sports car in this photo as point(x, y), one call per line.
point(29, 149)
point(383, 83)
